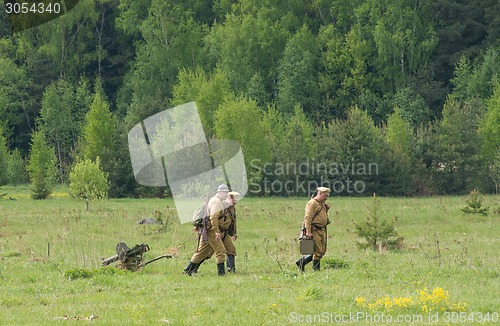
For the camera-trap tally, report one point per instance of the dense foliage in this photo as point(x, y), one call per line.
point(409, 87)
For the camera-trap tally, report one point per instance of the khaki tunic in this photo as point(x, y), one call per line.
point(225, 222)
point(207, 248)
point(315, 220)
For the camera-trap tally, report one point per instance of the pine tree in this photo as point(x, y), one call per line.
point(99, 131)
point(378, 233)
point(41, 166)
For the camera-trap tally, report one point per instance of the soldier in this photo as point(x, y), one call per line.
point(315, 222)
point(205, 249)
point(227, 227)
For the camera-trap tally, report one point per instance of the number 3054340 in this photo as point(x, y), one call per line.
point(465, 317)
point(13, 7)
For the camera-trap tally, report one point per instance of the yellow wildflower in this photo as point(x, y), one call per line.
point(360, 301)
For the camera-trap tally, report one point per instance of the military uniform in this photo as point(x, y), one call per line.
point(207, 248)
point(227, 229)
point(315, 222)
point(216, 211)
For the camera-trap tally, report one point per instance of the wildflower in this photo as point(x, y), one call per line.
point(403, 302)
point(360, 301)
point(436, 300)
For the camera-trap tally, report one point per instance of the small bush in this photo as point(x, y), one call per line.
point(88, 181)
point(474, 204)
point(378, 234)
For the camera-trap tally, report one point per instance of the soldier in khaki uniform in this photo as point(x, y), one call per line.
point(228, 227)
point(216, 211)
point(228, 231)
point(315, 222)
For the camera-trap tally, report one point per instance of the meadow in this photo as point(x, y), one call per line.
point(447, 272)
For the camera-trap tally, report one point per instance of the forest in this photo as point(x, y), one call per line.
point(408, 88)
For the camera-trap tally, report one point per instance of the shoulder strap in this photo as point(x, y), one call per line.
point(317, 213)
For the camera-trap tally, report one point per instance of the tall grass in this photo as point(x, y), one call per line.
point(51, 251)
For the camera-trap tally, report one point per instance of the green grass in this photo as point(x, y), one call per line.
point(50, 254)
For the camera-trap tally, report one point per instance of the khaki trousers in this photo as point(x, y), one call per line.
point(319, 237)
point(206, 252)
point(207, 248)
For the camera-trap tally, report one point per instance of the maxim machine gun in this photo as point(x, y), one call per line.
point(131, 258)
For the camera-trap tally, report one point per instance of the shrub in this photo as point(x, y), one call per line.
point(88, 181)
point(378, 234)
point(474, 204)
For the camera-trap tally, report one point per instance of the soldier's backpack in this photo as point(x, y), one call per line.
point(201, 214)
point(198, 216)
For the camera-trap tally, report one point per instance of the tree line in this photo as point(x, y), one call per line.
point(408, 86)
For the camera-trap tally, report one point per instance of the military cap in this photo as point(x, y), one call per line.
point(324, 189)
point(223, 188)
point(235, 194)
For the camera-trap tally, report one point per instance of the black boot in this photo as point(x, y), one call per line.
point(231, 268)
point(190, 268)
point(302, 262)
point(195, 269)
point(316, 265)
point(220, 269)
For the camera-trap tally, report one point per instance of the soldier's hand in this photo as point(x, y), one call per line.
point(235, 237)
point(217, 236)
point(309, 235)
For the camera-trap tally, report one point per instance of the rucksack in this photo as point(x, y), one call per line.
point(199, 216)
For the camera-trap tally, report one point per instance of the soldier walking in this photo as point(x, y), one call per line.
point(216, 211)
point(315, 222)
point(227, 228)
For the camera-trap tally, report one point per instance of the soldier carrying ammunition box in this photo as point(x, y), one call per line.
point(315, 222)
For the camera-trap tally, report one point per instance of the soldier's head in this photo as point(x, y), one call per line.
point(222, 191)
point(233, 197)
point(323, 193)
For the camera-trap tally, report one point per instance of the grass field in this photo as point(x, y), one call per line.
point(50, 255)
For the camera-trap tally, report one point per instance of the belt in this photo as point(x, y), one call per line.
point(319, 226)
